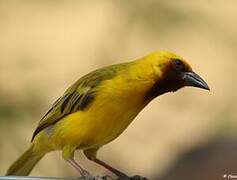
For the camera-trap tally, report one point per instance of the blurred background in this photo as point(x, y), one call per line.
point(46, 45)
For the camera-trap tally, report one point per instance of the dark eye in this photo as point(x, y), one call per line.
point(178, 65)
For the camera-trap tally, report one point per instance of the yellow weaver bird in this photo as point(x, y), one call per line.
point(98, 107)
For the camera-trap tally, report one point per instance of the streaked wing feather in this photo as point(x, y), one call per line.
point(69, 103)
point(78, 97)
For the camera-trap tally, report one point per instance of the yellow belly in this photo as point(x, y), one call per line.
point(93, 128)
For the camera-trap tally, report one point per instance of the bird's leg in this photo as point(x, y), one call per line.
point(83, 172)
point(68, 155)
point(115, 171)
point(91, 155)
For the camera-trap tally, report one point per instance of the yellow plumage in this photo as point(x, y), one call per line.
point(100, 106)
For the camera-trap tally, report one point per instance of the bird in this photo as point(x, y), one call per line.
point(99, 106)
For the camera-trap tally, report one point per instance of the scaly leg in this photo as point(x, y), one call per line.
point(82, 171)
point(68, 155)
point(91, 155)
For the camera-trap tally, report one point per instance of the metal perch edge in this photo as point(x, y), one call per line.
point(68, 178)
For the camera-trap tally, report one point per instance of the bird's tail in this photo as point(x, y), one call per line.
point(25, 163)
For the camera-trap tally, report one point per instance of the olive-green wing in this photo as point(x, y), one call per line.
point(78, 97)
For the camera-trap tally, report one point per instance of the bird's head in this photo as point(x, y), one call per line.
point(172, 73)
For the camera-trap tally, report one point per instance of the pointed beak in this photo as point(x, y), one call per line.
point(194, 80)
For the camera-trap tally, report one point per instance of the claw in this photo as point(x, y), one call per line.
point(137, 177)
point(107, 177)
point(132, 178)
point(90, 177)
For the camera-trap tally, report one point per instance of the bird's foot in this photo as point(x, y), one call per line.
point(137, 177)
point(90, 177)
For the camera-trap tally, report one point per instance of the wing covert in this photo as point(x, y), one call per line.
point(76, 98)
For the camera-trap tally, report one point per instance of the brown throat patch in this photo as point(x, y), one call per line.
point(170, 81)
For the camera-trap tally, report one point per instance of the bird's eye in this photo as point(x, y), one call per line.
point(178, 65)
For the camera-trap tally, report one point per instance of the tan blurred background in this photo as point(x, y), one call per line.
point(46, 45)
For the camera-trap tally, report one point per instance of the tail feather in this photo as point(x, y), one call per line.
point(25, 163)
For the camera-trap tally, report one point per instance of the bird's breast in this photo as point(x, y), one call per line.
point(113, 110)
